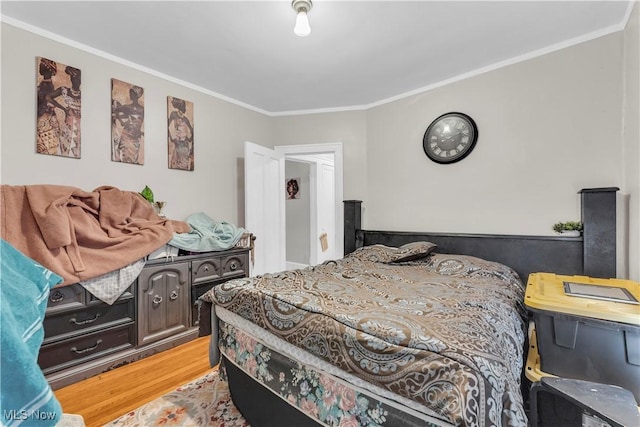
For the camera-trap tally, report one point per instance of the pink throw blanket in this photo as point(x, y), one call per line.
point(78, 234)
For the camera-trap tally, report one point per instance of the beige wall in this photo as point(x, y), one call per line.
point(631, 137)
point(220, 131)
point(346, 127)
point(548, 127)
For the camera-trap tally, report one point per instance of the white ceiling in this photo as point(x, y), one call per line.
point(359, 53)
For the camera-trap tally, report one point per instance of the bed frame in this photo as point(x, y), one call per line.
point(592, 254)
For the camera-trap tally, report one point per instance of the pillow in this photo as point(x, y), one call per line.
point(413, 251)
point(387, 254)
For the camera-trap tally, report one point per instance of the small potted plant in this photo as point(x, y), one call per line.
point(569, 228)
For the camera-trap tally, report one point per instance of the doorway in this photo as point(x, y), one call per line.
point(265, 194)
point(326, 221)
point(310, 219)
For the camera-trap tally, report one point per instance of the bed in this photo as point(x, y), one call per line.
point(408, 329)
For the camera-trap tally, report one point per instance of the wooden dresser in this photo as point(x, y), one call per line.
point(85, 336)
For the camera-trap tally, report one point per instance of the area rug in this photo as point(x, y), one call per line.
point(203, 402)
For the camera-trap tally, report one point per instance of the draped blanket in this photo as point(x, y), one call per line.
point(207, 235)
point(80, 235)
point(25, 395)
point(445, 331)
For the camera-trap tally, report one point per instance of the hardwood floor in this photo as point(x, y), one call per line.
point(105, 397)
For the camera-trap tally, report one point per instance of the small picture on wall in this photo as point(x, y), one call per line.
point(127, 123)
point(180, 133)
point(292, 188)
point(58, 109)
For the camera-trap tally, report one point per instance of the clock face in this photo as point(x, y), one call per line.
point(450, 138)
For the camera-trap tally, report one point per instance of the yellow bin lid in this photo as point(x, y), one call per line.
point(546, 291)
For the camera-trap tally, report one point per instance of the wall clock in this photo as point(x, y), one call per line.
point(450, 138)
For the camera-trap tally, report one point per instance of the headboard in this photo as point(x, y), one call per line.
point(592, 254)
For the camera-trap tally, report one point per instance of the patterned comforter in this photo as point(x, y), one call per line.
point(445, 331)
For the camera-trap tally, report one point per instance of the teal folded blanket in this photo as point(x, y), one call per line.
point(26, 398)
point(207, 235)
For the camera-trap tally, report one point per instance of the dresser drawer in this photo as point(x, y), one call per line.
point(72, 323)
point(66, 353)
point(127, 294)
point(205, 270)
point(235, 266)
point(66, 298)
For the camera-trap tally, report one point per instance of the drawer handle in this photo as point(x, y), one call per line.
point(233, 266)
point(174, 296)
point(57, 296)
point(157, 299)
point(84, 350)
point(206, 269)
point(84, 322)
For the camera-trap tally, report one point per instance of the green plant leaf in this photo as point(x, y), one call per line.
point(147, 194)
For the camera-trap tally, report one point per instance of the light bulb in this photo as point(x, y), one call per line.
point(302, 27)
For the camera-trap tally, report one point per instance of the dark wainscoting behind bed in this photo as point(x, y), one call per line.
point(592, 254)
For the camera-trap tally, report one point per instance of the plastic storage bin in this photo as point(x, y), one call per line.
point(586, 338)
point(577, 403)
point(550, 408)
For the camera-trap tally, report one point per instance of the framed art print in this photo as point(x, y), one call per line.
point(127, 123)
point(59, 105)
point(180, 133)
point(292, 188)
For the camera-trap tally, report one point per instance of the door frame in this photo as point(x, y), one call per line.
point(334, 148)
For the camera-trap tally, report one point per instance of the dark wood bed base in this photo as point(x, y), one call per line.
point(592, 254)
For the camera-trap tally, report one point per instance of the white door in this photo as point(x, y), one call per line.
point(264, 207)
point(326, 212)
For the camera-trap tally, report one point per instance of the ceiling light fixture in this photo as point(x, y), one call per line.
point(302, 7)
